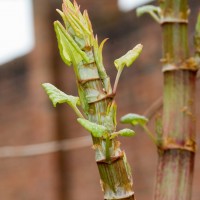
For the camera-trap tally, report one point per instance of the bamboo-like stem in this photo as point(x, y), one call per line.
point(177, 150)
point(116, 180)
point(197, 40)
point(79, 47)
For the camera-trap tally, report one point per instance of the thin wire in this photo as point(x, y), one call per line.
point(64, 145)
point(45, 148)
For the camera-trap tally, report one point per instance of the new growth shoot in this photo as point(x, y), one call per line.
point(80, 48)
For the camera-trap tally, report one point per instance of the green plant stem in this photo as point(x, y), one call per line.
point(176, 155)
point(197, 40)
point(79, 47)
point(117, 80)
point(150, 134)
point(79, 114)
point(116, 180)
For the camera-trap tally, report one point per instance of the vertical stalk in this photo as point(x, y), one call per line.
point(197, 40)
point(177, 150)
point(115, 174)
point(79, 47)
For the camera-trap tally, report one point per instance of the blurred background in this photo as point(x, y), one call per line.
point(44, 153)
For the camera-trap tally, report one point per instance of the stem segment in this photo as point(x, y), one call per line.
point(116, 180)
point(176, 155)
point(79, 47)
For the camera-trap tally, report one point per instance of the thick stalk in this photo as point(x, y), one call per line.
point(79, 47)
point(116, 180)
point(176, 153)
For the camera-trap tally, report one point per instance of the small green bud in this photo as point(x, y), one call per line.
point(128, 58)
point(134, 119)
point(95, 129)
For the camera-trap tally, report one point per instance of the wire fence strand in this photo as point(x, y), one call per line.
point(45, 148)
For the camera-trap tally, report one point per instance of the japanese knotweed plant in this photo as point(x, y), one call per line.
point(80, 48)
point(175, 139)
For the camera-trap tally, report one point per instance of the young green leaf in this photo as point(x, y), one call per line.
point(78, 21)
point(134, 119)
point(57, 96)
point(62, 45)
point(128, 58)
point(100, 50)
point(63, 16)
point(154, 11)
point(126, 132)
point(146, 9)
point(95, 129)
point(68, 48)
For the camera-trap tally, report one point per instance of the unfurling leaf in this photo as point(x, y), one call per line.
point(62, 45)
point(154, 11)
point(147, 9)
point(95, 129)
point(62, 15)
point(57, 96)
point(128, 58)
point(126, 132)
point(69, 49)
point(134, 119)
point(100, 50)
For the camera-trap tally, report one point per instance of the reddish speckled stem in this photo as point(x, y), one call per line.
point(176, 154)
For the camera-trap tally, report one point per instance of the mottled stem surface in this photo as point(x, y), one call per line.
point(177, 150)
